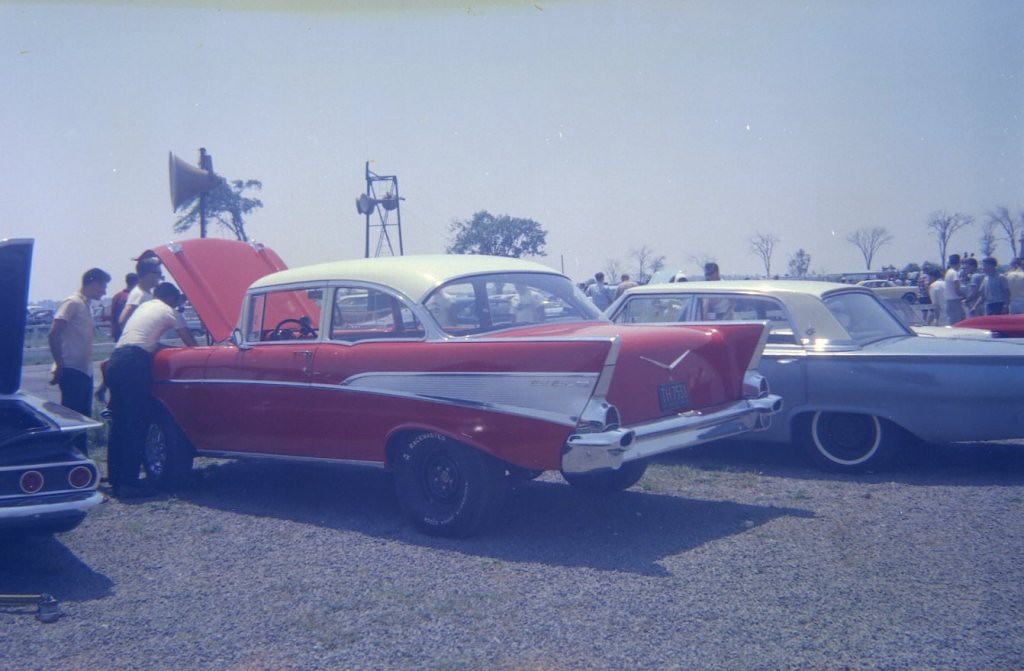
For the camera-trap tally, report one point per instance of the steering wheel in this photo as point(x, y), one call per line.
point(281, 333)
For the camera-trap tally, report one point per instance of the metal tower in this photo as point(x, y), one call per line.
point(378, 203)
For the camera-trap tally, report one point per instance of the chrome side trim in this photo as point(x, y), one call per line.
point(587, 452)
point(227, 454)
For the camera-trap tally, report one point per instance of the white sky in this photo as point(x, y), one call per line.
point(684, 126)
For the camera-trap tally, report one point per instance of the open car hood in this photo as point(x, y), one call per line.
point(15, 269)
point(215, 275)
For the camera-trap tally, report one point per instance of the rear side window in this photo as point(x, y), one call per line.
point(505, 300)
point(749, 308)
point(361, 313)
point(640, 309)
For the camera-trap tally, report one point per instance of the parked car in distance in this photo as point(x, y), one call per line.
point(37, 315)
point(459, 373)
point(857, 382)
point(46, 484)
point(1001, 326)
point(889, 289)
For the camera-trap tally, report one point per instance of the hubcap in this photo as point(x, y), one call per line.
point(156, 451)
point(441, 478)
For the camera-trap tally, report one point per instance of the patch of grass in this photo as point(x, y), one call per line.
point(163, 505)
point(211, 528)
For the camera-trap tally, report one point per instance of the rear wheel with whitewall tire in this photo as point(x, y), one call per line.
point(447, 488)
point(849, 442)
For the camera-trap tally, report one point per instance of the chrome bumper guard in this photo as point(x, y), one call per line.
point(587, 452)
point(44, 509)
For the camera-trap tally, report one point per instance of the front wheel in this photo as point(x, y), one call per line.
point(447, 488)
point(608, 482)
point(167, 456)
point(849, 442)
point(910, 297)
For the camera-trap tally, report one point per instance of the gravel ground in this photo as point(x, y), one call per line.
point(729, 556)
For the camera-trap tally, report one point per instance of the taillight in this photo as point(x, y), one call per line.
point(755, 385)
point(597, 417)
point(80, 477)
point(31, 482)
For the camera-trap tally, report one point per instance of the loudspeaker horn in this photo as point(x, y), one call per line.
point(188, 181)
point(366, 205)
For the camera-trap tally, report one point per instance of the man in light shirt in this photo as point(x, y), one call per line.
point(70, 342)
point(150, 274)
point(1015, 283)
point(129, 376)
point(953, 292)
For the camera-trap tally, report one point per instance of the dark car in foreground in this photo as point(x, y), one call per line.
point(46, 484)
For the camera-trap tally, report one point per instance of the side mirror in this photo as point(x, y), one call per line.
point(238, 341)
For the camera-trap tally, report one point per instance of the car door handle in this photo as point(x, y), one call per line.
point(307, 357)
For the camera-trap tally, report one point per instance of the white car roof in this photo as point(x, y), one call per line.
point(415, 276)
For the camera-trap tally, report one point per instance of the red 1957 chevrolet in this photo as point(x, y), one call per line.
point(461, 374)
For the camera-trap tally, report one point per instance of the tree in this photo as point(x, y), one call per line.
point(799, 263)
point(612, 270)
point(647, 263)
point(498, 236)
point(1013, 229)
point(869, 241)
point(763, 245)
point(945, 226)
point(226, 204)
point(987, 241)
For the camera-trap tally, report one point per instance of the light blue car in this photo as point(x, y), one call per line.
point(855, 380)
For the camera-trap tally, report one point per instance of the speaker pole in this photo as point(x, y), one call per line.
point(205, 163)
point(371, 204)
point(369, 191)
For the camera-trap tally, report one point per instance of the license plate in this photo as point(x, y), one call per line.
point(673, 396)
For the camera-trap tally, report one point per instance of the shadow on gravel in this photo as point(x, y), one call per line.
point(45, 565)
point(952, 464)
point(544, 522)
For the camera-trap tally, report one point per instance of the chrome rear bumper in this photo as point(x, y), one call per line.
point(586, 452)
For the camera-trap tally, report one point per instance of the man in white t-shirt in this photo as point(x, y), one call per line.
point(954, 296)
point(937, 295)
point(129, 376)
point(150, 274)
point(70, 342)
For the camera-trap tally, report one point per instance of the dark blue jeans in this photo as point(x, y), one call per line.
point(129, 377)
point(76, 393)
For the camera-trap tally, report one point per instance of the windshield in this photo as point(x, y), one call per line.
point(864, 317)
point(504, 300)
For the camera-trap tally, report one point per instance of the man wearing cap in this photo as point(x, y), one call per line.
point(150, 274)
point(129, 376)
point(70, 342)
